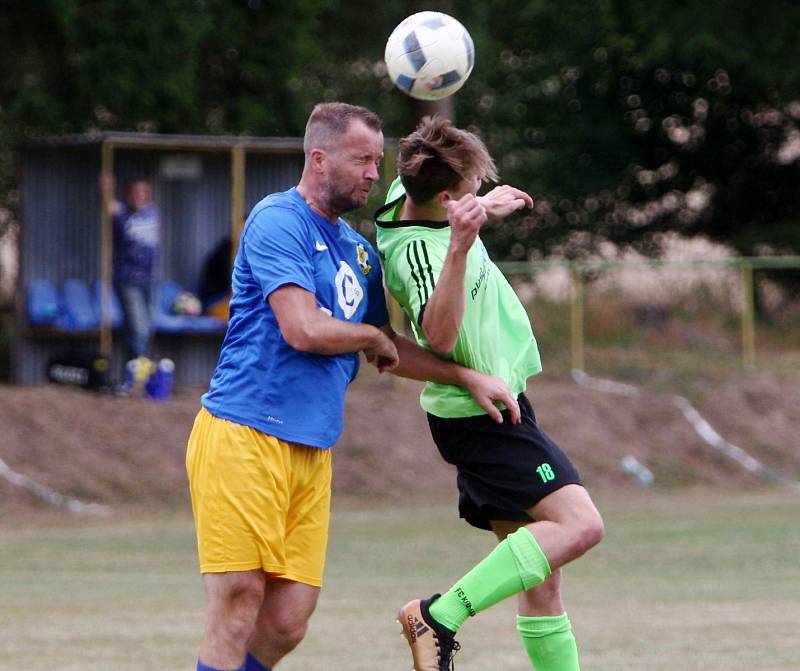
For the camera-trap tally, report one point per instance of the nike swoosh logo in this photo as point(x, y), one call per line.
point(320, 247)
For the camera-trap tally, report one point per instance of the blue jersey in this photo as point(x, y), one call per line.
point(136, 236)
point(261, 381)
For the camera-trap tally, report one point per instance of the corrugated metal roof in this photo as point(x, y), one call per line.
point(174, 142)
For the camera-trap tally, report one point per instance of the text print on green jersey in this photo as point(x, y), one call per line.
point(481, 274)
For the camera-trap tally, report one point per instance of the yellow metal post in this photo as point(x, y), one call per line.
point(238, 158)
point(576, 321)
point(389, 165)
point(106, 248)
point(748, 318)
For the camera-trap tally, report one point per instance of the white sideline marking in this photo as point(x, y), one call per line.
point(51, 496)
point(690, 413)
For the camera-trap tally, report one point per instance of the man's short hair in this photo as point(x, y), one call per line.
point(329, 121)
point(437, 156)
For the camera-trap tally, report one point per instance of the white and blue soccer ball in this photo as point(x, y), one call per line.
point(429, 55)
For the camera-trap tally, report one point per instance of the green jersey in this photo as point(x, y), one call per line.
point(495, 336)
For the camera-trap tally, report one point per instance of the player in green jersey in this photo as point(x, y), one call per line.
point(512, 477)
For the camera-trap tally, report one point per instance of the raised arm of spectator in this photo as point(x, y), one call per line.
point(108, 184)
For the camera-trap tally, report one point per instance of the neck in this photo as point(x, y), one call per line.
point(317, 200)
point(430, 211)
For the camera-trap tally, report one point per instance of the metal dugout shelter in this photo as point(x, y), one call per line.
point(204, 187)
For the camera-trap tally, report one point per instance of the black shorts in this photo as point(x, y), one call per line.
point(503, 469)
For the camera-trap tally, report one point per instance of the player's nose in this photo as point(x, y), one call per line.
point(372, 173)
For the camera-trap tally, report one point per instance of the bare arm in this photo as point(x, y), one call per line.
point(107, 185)
point(418, 363)
point(308, 329)
point(444, 311)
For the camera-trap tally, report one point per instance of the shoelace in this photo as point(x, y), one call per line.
point(447, 650)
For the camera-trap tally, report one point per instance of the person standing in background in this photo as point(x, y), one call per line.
point(137, 224)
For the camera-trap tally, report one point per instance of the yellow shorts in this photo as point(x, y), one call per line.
point(258, 502)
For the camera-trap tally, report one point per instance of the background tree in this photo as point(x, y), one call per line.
point(627, 119)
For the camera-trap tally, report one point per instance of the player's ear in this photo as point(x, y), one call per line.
point(318, 157)
point(443, 198)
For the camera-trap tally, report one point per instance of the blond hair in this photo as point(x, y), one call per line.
point(437, 156)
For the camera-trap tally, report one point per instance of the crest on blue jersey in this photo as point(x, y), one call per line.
point(363, 259)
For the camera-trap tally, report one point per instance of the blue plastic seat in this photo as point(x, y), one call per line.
point(79, 312)
point(43, 303)
point(164, 321)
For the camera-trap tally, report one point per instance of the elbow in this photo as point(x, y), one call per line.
point(300, 338)
point(441, 350)
point(440, 344)
point(441, 335)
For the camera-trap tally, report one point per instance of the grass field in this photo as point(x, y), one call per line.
point(683, 580)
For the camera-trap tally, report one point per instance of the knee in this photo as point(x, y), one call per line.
point(234, 608)
point(589, 531)
point(582, 532)
point(290, 633)
point(282, 633)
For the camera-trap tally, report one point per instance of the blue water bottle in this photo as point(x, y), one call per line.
point(159, 386)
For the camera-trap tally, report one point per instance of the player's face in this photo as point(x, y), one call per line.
point(138, 195)
point(353, 167)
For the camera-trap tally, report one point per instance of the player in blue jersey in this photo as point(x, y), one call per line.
point(307, 298)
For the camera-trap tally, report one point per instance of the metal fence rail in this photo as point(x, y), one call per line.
point(579, 271)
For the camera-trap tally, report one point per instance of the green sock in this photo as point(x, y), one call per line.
point(515, 565)
point(549, 642)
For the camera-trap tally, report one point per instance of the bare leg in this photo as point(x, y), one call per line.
point(567, 525)
point(234, 600)
point(282, 620)
point(542, 600)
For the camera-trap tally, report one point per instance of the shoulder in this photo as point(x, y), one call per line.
point(277, 211)
point(355, 236)
point(403, 237)
point(122, 213)
point(276, 202)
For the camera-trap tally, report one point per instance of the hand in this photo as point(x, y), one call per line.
point(107, 186)
point(383, 355)
point(466, 216)
point(488, 391)
point(107, 182)
point(503, 200)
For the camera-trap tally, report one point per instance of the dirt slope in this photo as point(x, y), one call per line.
point(123, 451)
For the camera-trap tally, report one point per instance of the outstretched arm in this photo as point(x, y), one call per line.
point(444, 311)
point(418, 363)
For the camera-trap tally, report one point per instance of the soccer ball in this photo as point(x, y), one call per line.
point(429, 55)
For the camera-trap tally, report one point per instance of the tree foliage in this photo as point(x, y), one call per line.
point(626, 119)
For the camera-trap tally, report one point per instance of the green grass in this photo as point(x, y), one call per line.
point(683, 580)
